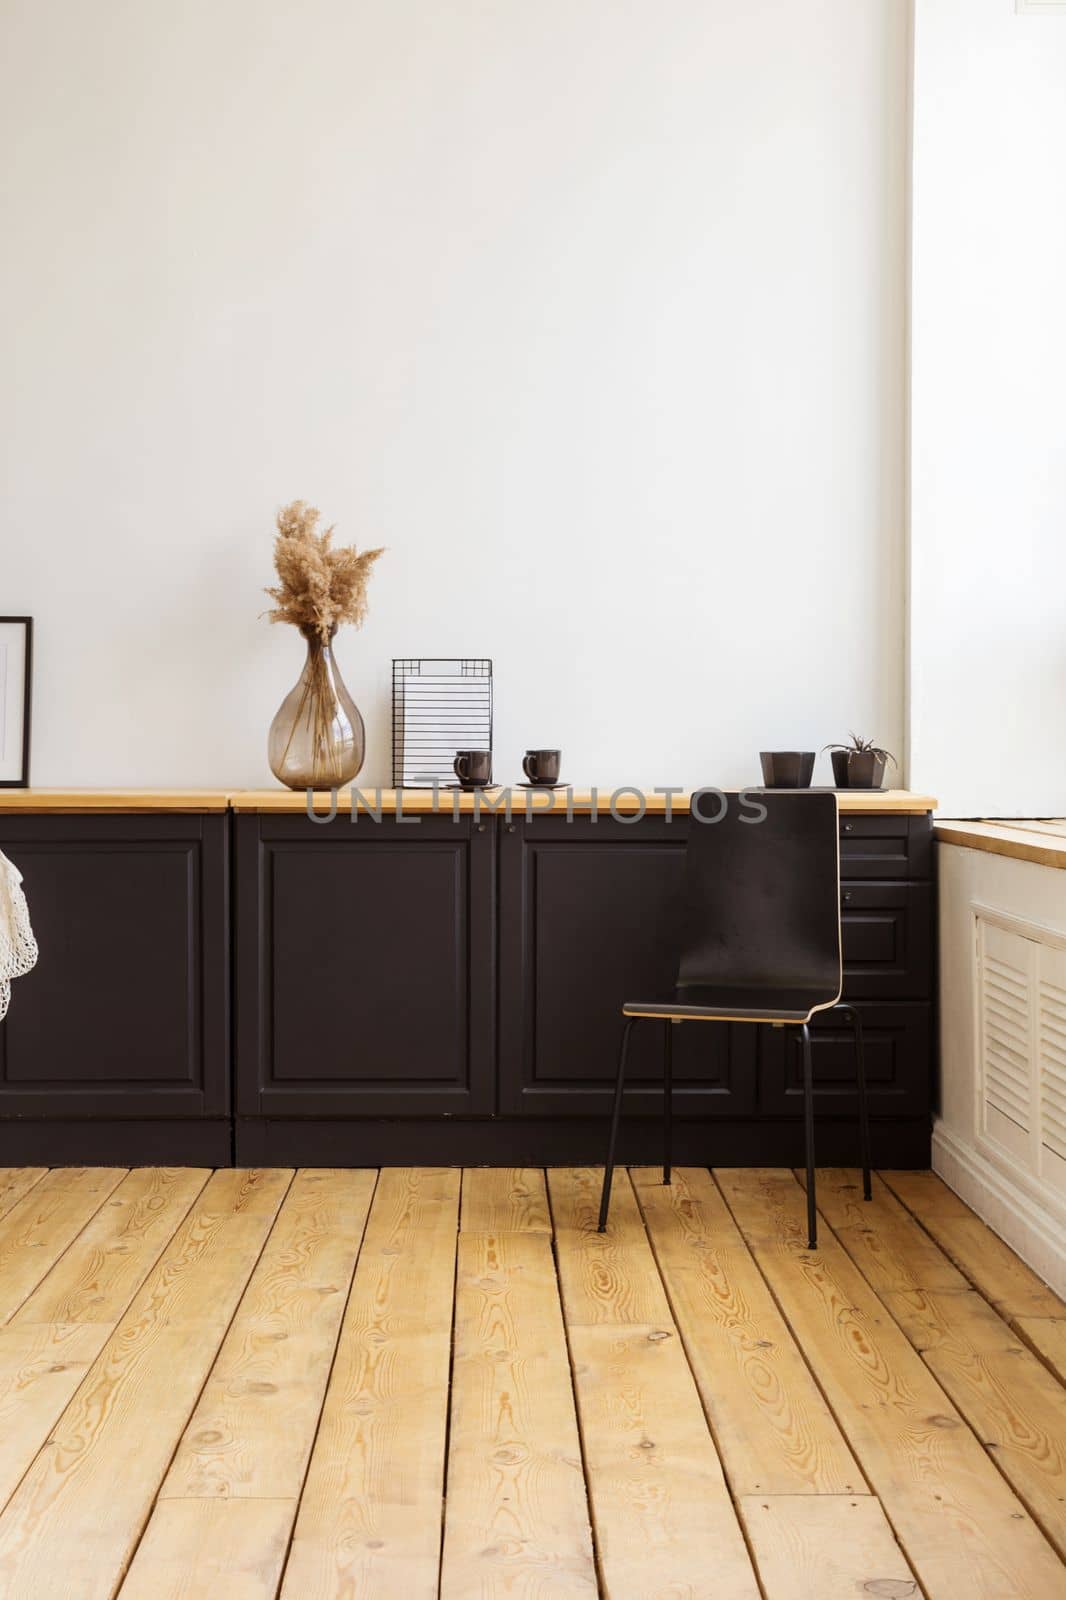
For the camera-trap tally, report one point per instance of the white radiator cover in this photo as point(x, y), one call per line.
point(1021, 1042)
point(1000, 1139)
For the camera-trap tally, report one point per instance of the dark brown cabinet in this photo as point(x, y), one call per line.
point(116, 1046)
point(365, 969)
point(446, 989)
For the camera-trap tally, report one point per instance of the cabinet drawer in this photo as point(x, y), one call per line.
point(898, 1043)
point(885, 847)
point(886, 938)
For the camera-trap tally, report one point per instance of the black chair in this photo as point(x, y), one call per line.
point(760, 943)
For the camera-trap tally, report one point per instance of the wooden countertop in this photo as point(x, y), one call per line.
point(35, 801)
point(414, 801)
point(417, 801)
point(1042, 841)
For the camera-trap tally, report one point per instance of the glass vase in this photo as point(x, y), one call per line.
point(317, 739)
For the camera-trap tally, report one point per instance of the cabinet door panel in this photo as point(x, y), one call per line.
point(126, 1012)
point(376, 936)
point(898, 1044)
point(589, 919)
point(365, 967)
point(886, 930)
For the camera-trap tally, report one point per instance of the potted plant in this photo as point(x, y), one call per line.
point(860, 764)
point(317, 739)
point(787, 769)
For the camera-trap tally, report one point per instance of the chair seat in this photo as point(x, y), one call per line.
point(699, 1004)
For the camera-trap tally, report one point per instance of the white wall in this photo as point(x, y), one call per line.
point(593, 313)
point(988, 511)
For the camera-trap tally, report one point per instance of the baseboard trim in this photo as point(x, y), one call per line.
point(1035, 1230)
point(177, 1142)
point(446, 1141)
point(566, 1141)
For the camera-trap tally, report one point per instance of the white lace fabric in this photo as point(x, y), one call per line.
point(18, 947)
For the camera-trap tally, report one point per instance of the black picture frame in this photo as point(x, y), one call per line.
point(23, 780)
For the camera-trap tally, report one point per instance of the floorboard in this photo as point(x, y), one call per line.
point(1012, 1403)
point(370, 1518)
point(15, 1182)
point(43, 1223)
point(505, 1200)
point(963, 1529)
point(255, 1422)
point(517, 1516)
point(605, 1277)
point(50, 1343)
point(987, 1262)
point(74, 1521)
point(651, 1466)
point(426, 1384)
point(1046, 1336)
point(774, 1429)
point(212, 1550)
point(664, 1521)
point(833, 1547)
point(117, 1248)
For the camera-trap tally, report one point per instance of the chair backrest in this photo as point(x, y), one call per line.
point(762, 902)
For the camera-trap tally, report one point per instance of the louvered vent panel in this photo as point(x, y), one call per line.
point(1052, 1026)
point(1021, 1042)
point(1006, 1038)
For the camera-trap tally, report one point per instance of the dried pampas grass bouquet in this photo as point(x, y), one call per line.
point(317, 739)
point(318, 587)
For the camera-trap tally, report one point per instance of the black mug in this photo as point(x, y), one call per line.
point(541, 767)
point(473, 768)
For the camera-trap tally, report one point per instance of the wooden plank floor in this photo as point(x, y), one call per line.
point(421, 1384)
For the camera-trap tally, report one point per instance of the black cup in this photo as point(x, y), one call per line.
point(473, 768)
point(541, 767)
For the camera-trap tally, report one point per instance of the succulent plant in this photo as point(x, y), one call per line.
point(863, 747)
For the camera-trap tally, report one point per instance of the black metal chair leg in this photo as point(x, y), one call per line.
point(616, 1116)
point(864, 1108)
point(668, 1107)
point(808, 1126)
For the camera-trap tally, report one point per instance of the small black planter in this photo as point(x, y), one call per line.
point(858, 769)
point(787, 769)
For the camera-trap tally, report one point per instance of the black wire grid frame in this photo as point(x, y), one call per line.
point(407, 667)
